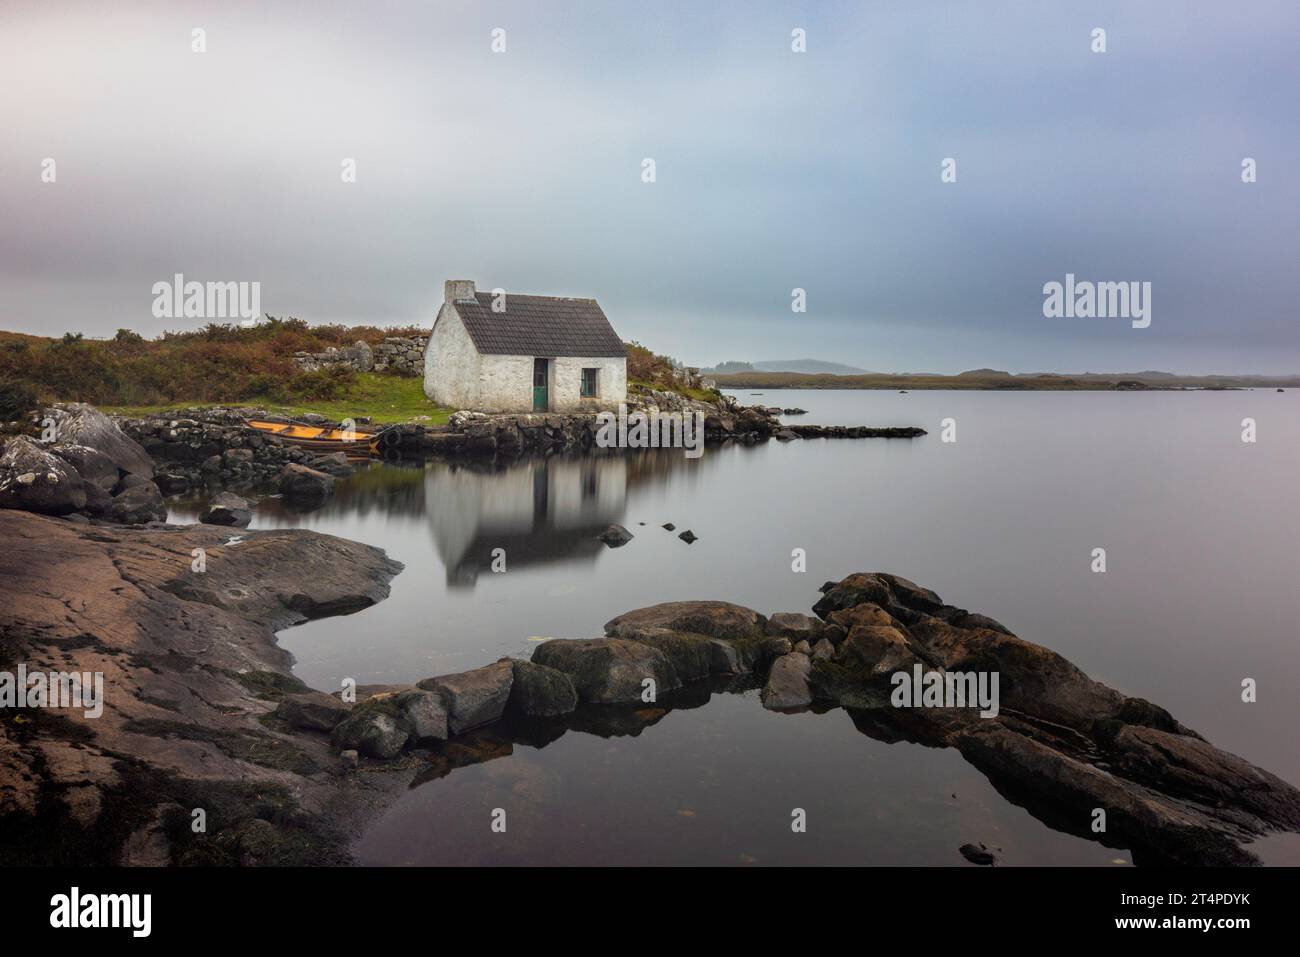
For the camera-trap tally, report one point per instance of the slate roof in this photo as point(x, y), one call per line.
point(539, 326)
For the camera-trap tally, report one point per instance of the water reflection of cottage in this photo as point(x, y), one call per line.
point(538, 511)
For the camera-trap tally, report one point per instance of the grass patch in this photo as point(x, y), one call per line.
point(382, 398)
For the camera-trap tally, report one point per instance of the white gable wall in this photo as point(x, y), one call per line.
point(451, 363)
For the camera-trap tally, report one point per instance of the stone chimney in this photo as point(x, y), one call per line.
point(458, 289)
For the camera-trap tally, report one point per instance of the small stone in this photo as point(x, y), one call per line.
point(616, 536)
point(688, 536)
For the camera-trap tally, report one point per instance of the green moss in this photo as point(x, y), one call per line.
point(263, 749)
point(269, 685)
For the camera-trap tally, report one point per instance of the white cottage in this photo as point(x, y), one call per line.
point(503, 352)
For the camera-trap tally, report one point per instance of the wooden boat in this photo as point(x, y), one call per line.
point(359, 442)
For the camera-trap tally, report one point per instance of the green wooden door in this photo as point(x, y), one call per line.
point(540, 397)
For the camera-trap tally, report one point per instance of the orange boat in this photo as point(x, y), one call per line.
point(356, 442)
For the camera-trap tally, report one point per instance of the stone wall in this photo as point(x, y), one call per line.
point(405, 356)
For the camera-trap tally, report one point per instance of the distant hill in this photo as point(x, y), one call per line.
point(808, 367)
point(996, 379)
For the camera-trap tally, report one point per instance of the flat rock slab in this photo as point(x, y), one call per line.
point(473, 698)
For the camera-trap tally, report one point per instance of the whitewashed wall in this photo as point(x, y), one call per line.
point(451, 363)
point(455, 375)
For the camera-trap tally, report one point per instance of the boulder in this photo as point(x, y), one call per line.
point(787, 683)
point(793, 625)
point(615, 536)
point(312, 711)
point(336, 464)
point(880, 649)
point(688, 537)
point(540, 691)
point(138, 505)
point(384, 724)
point(609, 670)
point(130, 480)
point(171, 483)
point(79, 424)
point(823, 649)
point(227, 508)
point(978, 854)
point(473, 698)
point(714, 619)
point(373, 733)
point(803, 648)
point(35, 480)
point(302, 484)
point(94, 467)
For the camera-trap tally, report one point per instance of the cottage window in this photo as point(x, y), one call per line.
point(589, 383)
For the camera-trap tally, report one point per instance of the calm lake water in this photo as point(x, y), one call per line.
point(1201, 591)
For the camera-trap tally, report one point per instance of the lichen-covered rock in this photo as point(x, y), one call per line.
point(77, 423)
point(35, 480)
point(94, 467)
point(473, 698)
point(609, 670)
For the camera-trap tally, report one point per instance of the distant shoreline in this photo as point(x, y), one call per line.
point(1004, 382)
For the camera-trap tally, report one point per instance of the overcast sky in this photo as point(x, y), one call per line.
point(774, 170)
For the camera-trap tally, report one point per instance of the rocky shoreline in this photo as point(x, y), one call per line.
point(193, 447)
point(202, 713)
